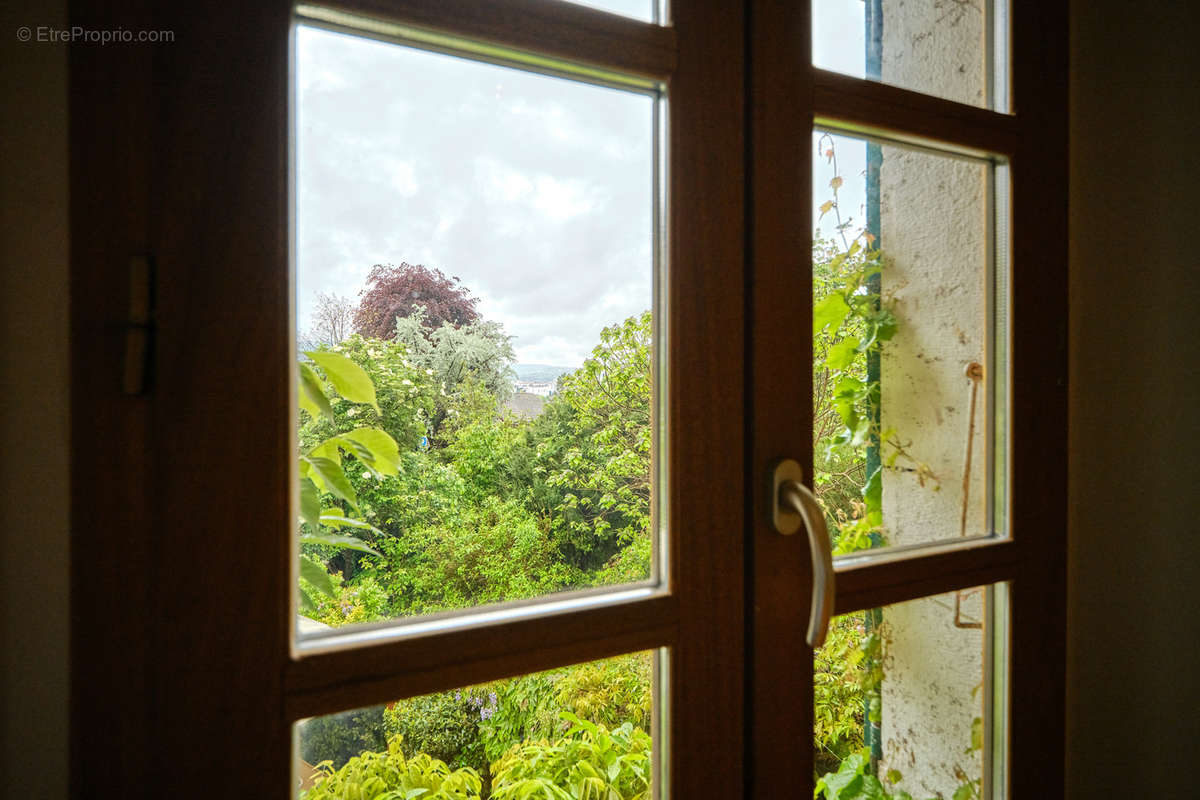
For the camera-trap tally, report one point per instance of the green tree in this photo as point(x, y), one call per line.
point(460, 359)
point(593, 451)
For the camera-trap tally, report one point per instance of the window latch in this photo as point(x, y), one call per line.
point(793, 506)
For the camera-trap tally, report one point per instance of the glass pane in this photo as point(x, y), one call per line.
point(579, 731)
point(908, 304)
point(644, 10)
point(938, 48)
point(906, 697)
point(475, 268)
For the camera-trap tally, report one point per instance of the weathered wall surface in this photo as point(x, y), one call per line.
point(934, 232)
point(936, 47)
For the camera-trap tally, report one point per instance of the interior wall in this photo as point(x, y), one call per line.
point(33, 421)
point(1133, 723)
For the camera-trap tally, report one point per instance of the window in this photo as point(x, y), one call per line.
point(193, 610)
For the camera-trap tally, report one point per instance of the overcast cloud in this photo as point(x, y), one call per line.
point(535, 191)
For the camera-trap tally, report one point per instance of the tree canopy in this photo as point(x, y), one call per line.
point(395, 292)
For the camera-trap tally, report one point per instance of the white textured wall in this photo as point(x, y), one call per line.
point(934, 231)
point(933, 228)
point(936, 47)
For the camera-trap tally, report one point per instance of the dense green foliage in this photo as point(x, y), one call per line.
point(854, 781)
point(588, 762)
point(337, 738)
point(475, 726)
point(471, 505)
point(477, 506)
point(390, 775)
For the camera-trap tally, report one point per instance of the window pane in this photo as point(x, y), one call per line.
point(644, 10)
point(475, 269)
point(906, 696)
point(938, 48)
point(588, 726)
point(909, 318)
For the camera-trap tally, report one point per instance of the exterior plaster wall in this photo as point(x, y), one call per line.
point(934, 235)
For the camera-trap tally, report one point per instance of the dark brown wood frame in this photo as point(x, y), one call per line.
point(182, 679)
point(787, 97)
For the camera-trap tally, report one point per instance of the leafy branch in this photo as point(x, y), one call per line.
point(322, 477)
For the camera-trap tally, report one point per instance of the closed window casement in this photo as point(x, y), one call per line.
point(748, 234)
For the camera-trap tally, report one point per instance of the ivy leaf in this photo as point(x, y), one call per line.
point(316, 574)
point(861, 431)
point(312, 393)
point(830, 311)
point(842, 354)
point(872, 491)
point(347, 377)
point(886, 329)
point(826, 207)
point(846, 782)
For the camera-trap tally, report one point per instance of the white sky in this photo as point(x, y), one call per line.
point(535, 191)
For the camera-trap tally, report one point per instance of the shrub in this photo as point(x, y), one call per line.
point(390, 775)
point(590, 762)
point(444, 725)
point(338, 738)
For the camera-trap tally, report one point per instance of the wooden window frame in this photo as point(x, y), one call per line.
point(182, 678)
point(787, 97)
point(188, 485)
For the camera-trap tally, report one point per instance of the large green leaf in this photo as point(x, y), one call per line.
point(333, 478)
point(338, 540)
point(842, 354)
point(347, 377)
point(310, 503)
point(335, 518)
point(327, 449)
point(872, 492)
point(315, 574)
point(306, 602)
point(385, 453)
point(312, 393)
point(830, 311)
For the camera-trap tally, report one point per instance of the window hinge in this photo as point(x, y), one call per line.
point(139, 327)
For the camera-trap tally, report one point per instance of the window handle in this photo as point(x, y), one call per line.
point(793, 506)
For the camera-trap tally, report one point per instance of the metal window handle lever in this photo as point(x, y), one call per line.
point(794, 506)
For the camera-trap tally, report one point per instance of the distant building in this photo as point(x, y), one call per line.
point(540, 388)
